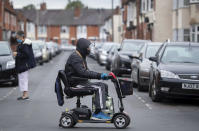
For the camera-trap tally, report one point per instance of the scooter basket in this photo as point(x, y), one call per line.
point(126, 87)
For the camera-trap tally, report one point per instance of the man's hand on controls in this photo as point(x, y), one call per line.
point(104, 76)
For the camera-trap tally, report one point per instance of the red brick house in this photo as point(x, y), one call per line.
point(8, 20)
point(67, 25)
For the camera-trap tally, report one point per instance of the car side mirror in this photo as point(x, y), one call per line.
point(119, 49)
point(154, 59)
point(134, 57)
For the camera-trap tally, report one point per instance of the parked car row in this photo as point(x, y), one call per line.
point(67, 47)
point(43, 52)
point(169, 69)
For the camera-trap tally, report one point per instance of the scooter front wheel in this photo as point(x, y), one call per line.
point(66, 121)
point(121, 121)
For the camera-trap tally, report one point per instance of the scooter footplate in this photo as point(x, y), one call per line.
point(94, 121)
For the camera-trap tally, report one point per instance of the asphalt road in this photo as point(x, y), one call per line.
point(41, 112)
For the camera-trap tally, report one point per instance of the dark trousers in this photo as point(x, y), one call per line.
point(101, 93)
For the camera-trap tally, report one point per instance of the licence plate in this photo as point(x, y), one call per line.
point(190, 86)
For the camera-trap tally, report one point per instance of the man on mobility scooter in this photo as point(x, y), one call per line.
point(76, 66)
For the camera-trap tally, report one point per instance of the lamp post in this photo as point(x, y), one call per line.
point(112, 20)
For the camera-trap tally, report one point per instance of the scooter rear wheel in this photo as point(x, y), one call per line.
point(66, 121)
point(121, 121)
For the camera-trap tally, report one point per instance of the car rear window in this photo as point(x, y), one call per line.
point(4, 49)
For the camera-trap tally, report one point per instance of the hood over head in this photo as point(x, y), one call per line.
point(82, 46)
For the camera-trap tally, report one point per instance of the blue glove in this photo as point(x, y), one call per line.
point(104, 76)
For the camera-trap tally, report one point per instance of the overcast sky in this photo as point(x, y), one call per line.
point(60, 4)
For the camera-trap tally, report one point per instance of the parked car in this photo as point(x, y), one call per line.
point(7, 65)
point(103, 52)
point(174, 71)
point(111, 53)
point(37, 53)
point(51, 49)
point(92, 50)
point(67, 47)
point(141, 64)
point(56, 47)
point(45, 51)
point(98, 46)
point(121, 63)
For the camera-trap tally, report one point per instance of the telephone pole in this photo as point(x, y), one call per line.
point(112, 20)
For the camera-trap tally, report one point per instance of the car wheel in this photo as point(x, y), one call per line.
point(155, 96)
point(15, 82)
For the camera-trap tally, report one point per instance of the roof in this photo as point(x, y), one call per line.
point(66, 17)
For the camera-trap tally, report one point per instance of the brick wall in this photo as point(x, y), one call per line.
point(92, 31)
point(72, 34)
point(52, 33)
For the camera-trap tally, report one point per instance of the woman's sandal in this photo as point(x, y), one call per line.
point(21, 98)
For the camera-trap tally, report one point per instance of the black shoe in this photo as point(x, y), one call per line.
point(21, 98)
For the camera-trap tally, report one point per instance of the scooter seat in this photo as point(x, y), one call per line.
point(82, 91)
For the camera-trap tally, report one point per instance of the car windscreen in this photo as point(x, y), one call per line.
point(132, 46)
point(151, 50)
point(4, 49)
point(107, 47)
point(181, 54)
point(35, 46)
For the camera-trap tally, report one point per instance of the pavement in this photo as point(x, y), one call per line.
point(42, 113)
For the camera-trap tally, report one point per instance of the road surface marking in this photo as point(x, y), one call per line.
point(8, 94)
point(143, 101)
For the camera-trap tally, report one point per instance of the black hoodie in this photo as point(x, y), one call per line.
point(76, 65)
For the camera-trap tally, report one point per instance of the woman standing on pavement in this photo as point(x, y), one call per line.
point(24, 61)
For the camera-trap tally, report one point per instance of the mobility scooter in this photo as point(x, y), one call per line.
point(82, 114)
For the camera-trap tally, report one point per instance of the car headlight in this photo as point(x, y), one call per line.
point(168, 74)
point(10, 64)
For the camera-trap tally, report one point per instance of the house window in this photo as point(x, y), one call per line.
point(144, 6)
point(64, 30)
point(7, 18)
point(186, 2)
point(81, 29)
point(175, 4)
point(81, 32)
point(42, 30)
point(195, 33)
point(29, 27)
point(151, 4)
point(175, 35)
point(186, 35)
point(22, 26)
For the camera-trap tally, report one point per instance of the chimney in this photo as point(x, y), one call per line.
point(77, 12)
point(43, 6)
point(117, 10)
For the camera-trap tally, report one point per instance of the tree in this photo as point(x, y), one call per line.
point(29, 7)
point(74, 4)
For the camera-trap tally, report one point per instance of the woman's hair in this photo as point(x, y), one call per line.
point(20, 33)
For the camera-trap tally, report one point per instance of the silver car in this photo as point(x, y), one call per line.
point(103, 52)
point(141, 65)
